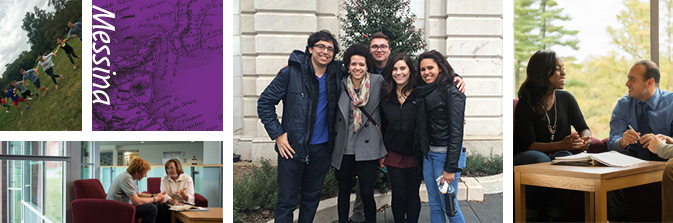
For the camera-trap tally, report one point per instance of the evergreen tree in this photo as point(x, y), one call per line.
point(392, 17)
point(535, 29)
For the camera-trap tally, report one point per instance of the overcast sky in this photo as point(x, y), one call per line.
point(14, 39)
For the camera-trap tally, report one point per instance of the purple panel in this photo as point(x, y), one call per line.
point(159, 68)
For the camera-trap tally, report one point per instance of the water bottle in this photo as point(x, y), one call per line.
point(449, 197)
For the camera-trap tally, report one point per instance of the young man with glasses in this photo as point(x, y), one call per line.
point(309, 89)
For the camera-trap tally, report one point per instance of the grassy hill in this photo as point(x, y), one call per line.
point(60, 110)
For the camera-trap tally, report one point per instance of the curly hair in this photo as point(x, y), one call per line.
point(540, 67)
point(446, 74)
point(178, 166)
point(138, 165)
point(359, 50)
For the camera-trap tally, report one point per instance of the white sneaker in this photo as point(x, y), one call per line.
point(6, 111)
point(22, 112)
point(30, 99)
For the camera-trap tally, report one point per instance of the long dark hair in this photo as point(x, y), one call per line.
point(540, 67)
point(445, 76)
point(390, 86)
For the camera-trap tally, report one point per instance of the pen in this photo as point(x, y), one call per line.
point(634, 131)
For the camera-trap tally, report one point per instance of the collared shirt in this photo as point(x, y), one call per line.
point(627, 110)
point(122, 188)
point(171, 187)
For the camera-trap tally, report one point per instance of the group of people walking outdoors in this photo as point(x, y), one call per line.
point(641, 126)
point(19, 91)
point(364, 113)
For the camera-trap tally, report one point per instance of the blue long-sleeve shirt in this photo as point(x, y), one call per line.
point(626, 113)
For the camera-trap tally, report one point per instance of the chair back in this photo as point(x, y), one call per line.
point(154, 185)
point(89, 188)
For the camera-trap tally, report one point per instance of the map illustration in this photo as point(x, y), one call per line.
point(165, 66)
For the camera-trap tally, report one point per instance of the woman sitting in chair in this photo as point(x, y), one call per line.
point(179, 188)
point(542, 122)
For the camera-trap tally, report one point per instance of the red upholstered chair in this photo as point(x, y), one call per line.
point(90, 205)
point(154, 186)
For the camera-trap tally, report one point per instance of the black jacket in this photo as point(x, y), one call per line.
point(297, 86)
point(398, 123)
point(439, 122)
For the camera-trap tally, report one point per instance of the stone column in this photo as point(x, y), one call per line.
point(469, 34)
point(269, 31)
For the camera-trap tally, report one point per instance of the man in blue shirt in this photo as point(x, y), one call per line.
point(645, 110)
point(308, 88)
point(75, 30)
point(33, 76)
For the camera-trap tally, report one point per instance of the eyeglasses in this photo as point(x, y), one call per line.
point(377, 47)
point(323, 47)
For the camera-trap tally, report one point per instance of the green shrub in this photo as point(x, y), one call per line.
point(331, 187)
point(382, 181)
point(258, 190)
point(480, 165)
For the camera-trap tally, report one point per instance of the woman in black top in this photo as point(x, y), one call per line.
point(542, 121)
point(68, 51)
point(439, 131)
point(398, 113)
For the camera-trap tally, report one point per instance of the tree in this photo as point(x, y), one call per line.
point(392, 17)
point(37, 25)
point(634, 37)
point(535, 29)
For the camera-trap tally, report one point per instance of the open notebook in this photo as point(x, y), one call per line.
point(186, 208)
point(612, 158)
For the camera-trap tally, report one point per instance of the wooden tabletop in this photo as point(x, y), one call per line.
point(213, 214)
point(589, 172)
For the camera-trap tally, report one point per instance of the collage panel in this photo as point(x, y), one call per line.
point(592, 94)
point(157, 65)
point(40, 65)
point(111, 181)
point(358, 110)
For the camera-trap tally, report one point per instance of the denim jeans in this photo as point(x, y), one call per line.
point(299, 177)
point(433, 167)
point(536, 197)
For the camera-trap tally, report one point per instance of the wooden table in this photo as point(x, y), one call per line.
point(213, 215)
point(595, 181)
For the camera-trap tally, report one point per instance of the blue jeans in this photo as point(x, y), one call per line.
point(433, 167)
point(536, 197)
point(299, 177)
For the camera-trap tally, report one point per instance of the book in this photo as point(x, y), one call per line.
point(186, 208)
point(612, 158)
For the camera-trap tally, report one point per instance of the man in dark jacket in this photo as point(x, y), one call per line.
point(309, 88)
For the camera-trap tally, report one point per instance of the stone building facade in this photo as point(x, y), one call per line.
point(469, 33)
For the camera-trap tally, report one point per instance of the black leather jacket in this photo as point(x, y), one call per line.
point(439, 122)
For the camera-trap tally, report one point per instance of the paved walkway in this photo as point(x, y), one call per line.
point(489, 210)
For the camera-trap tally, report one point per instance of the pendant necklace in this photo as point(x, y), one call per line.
point(551, 129)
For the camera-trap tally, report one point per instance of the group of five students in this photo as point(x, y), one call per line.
point(371, 111)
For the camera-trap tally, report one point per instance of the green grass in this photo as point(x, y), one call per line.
point(54, 197)
point(60, 110)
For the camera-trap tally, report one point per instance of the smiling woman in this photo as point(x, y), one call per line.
point(542, 121)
